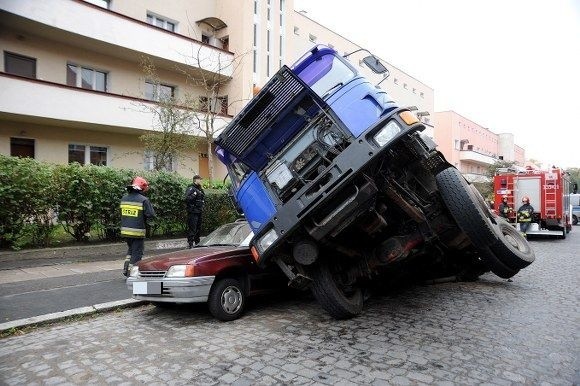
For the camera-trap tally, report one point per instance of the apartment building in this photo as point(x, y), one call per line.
point(471, 147)
point(73, 88)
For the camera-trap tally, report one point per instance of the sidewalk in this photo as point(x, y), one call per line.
point(19, 266)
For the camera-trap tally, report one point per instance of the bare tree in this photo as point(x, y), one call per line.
point(175, 120)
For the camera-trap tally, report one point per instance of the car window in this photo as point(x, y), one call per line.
point(229, 234)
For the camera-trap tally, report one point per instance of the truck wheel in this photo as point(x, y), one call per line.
point(512, 248)
point(226, 299)
point(341, 301)
point(473, 219)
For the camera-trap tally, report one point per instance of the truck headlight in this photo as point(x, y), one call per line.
point(184, 270)
point(267, 240)
point(388, 132)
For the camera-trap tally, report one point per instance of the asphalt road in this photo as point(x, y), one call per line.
point(38, 297)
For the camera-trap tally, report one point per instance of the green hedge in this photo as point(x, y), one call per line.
point(38, 198)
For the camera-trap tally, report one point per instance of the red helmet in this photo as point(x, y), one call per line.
point(140, 183)
point(525, 199)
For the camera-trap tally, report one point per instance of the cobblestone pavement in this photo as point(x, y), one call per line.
point(488, 332)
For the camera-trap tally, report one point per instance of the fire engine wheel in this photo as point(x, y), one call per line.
point(472, 217)
point(512, 248)
point(329, 286)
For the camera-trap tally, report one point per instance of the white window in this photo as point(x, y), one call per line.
point(86, 77)
point(88, 154)
point(158, 91)
point(161, 22)
point(150, 159)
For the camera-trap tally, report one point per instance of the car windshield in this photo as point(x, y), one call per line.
point(236, 233)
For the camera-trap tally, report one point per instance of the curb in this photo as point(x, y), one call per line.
point(56, 316)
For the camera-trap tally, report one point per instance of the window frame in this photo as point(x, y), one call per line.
point(79, 76)
point(87, 153)
point(156, 90)
point(163, 19)
point(149, 162)
point(14, 55)
point(23, 139)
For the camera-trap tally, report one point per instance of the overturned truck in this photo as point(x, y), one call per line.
point(340, 186)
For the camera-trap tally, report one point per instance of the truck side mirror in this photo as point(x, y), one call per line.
point(375, 65)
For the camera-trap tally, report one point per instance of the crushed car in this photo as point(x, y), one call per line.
point(340, 185)
point(219, 271)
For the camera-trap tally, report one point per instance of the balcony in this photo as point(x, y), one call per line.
point(476, 158)
point(75, 22)
point(38, 101)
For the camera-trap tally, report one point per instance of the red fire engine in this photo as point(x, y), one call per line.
point(549, 194)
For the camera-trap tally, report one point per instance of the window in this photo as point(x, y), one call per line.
point(151, 159)
point(19, 65)
point(312, 38)
point(296, 31)
point(158, 91)
point(161, 22)
point(85, 154)
point(86, 78)
point(218, 106)
point(101, 3)
point(205, 38)
point(22, 147)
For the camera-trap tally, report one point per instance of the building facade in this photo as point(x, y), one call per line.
point(73, 84)
point(471, 147)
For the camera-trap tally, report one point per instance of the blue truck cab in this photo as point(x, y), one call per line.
point(338, 85)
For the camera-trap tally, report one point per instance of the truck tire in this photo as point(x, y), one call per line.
point(227, 299)
point(339, 302)
point(467, 211)
point(512, 248)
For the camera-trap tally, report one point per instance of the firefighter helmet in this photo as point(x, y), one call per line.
point(526, 199)
point(140, 183)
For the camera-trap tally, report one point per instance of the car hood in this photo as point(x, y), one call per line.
point(164, 261)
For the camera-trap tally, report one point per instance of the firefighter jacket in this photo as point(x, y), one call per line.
point(525, 213)
point(136, 211)
point(194, 198)
point(504, 209)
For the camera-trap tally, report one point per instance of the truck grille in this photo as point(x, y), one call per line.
point(276, 96)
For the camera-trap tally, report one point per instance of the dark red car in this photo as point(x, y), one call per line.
point(220, 271)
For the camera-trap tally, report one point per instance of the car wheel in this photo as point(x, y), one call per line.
point(472, 218)
point(329, 286)
point(227, 299)
point(574, 220)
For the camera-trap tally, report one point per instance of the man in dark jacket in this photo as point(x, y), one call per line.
point(194, 201)
point(136, 212)
point(525, 213)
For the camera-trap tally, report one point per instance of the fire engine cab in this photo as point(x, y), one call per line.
point(549, 194)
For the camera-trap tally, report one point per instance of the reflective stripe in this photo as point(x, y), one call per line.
point(132, 205)
point(132, 232)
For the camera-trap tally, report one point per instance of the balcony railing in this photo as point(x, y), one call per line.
point(112, 33)
point(477, 158)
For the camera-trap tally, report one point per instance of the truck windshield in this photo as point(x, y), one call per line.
point(327, 74)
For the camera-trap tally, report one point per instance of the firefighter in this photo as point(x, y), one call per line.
point(525, 213)
point(136, 213)
point(194, 201)
point(504, 209)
